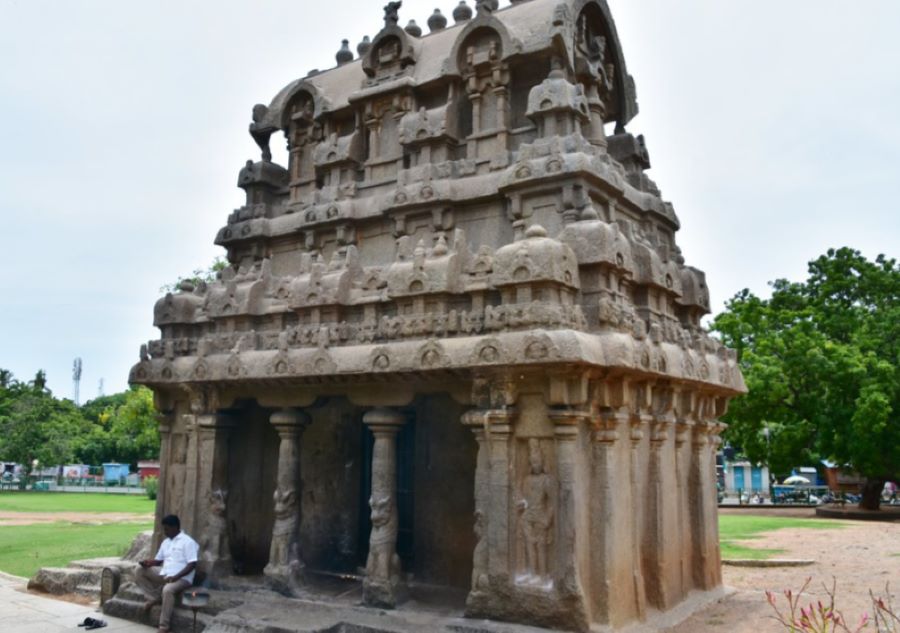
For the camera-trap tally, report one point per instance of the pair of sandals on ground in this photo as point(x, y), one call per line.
point(92, 623)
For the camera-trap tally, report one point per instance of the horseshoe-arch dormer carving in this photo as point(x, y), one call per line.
point(600, 64)
point(392, 52)
point(484, 25)
point(300, 122)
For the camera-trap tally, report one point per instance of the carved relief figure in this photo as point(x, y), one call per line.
point(480, 556)
point(215, 547)
point(284, 531)
point(383, 563)
point(537, 513)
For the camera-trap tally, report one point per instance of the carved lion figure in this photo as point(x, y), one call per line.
point(383, 562)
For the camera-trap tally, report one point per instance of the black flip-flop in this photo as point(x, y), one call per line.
point(88, 622)
point(98, 624)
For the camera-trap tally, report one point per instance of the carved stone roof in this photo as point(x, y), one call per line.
point(452, 202)
point(531, 27)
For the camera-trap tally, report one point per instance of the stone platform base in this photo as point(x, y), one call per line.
point(80, 577)
point(250, 608)
point(855, 513)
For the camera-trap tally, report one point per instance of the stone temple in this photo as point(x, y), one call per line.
point(457, 351)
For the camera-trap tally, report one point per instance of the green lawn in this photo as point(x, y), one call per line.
point(26, 548)
point(735, 527)
point(14, 501)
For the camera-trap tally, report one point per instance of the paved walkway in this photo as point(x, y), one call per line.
point(23, 612)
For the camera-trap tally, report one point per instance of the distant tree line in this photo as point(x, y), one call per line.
point(36, 425)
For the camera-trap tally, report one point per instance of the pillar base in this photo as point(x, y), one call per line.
point(286, 579)
point(384, 594)
point(215, 570)
point(550, 607)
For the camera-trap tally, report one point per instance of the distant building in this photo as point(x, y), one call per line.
point(841, 479)
point(742, 476)
point(148, 469)
point(811, 473)
point(114, 472)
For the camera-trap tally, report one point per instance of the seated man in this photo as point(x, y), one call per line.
point(178, 557)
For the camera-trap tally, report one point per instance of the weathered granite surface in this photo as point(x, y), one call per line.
point(457, 244)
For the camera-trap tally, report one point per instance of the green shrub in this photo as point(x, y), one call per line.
point(151, 486)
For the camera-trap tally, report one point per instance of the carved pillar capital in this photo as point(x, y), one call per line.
point(289, 422)
point(683, 427)
point(211, 424)
point(384, 420)
point(165, 420)
point(490, 421)
point(566, 421)
point(610, 422)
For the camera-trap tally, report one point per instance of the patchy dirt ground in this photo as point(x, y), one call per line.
point(87, 518)
point(862, 556)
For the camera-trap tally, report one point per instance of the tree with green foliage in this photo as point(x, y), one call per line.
point(820, 359)
point(199, 276)
point(134, 428)
point(36, 426)
point(124, 428)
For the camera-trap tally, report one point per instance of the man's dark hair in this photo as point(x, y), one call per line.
point(171, 520)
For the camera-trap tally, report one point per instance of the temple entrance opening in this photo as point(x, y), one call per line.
point(434, 479)
point(251, 483)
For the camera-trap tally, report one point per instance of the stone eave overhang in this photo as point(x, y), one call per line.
point(611, 351)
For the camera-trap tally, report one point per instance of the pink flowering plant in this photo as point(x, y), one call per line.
point(824, 617)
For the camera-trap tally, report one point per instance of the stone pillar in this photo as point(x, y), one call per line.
point(715, 441)
point(480, 583)
point(502, 94)
point(165, 419)
point(607, 552)
point(598, 112)
point(285, 567)
point(703, 511)
point(682, 435)
point(571, 519)
point(188, 510)
point(384, 586)
point(637, 505)
point(214, 431)
point(659, 536)
point(475, 99)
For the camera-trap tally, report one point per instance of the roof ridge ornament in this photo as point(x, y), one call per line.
point(486, 6)
point(462, 12)
point(392, 12)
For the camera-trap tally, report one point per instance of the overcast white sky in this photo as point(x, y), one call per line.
point(772, 125)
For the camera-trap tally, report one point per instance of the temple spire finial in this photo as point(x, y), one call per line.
point(486, 6)
point(392, 12)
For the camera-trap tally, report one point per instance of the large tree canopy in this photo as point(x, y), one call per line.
point(820, 359)
point(36, 425)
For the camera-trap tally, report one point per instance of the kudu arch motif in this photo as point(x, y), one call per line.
point(458, 247)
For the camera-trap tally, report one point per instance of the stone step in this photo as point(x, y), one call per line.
point(62, 580)
point(100, 563)
point(133, 610)
point(90, 590)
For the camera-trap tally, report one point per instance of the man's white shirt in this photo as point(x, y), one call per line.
point(176, 553)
